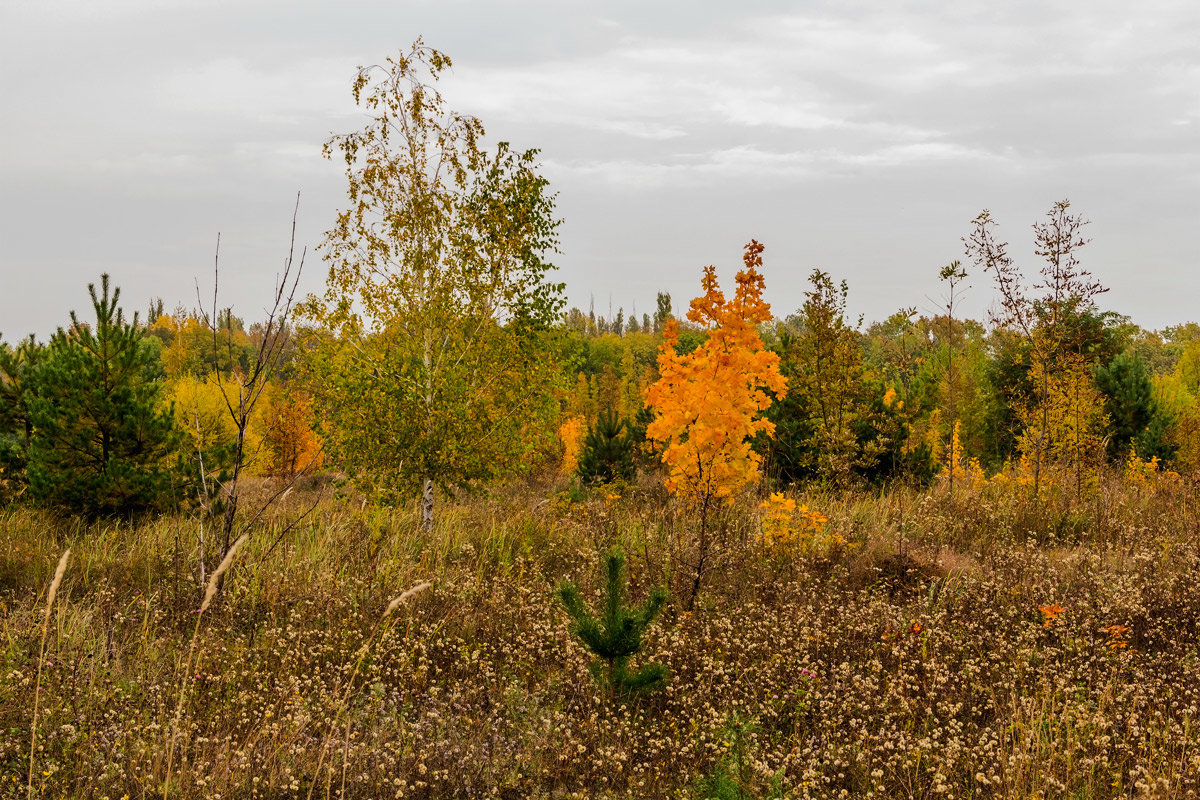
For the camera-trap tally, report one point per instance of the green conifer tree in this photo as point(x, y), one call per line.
point(16, 427)
point(1136, 421)
point(608, 451)
point(103, 443)
point(616, 635)
point(645, 453)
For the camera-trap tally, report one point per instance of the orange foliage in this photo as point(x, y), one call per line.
point(293, 445)
point(784, 525)
point(709, 401)
point(570, 433)
point(1116, 636)
point(1050, 614)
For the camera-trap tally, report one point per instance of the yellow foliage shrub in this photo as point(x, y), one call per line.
point(1148, 474)
point(570, 434)
point(786, 525)
point(200, 410)
point(968, 473)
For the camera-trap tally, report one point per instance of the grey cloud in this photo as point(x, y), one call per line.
point(856, 135)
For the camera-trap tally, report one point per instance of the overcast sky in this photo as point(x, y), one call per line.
point(857, 136)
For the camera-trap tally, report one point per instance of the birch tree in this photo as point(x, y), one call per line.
point(430, 373)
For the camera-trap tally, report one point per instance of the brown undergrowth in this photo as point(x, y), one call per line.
point(975, 646)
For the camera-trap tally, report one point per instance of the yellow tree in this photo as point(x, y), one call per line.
point(294, 447)
point(200, 410)
point(570, 433)
point(1070, 422)
point(708, 404)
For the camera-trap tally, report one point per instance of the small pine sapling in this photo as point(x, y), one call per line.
point(645, 454)
point(608, 451)
point(734, 778)
point(617, 634)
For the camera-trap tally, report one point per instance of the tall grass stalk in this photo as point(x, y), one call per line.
point(37, 689)
point(210, 592)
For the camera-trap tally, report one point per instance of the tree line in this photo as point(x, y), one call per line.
point(440, 357)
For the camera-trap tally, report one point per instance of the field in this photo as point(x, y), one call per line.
point(928, 645)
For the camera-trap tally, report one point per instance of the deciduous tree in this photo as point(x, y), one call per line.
point(952, 274)
point(293, 446)
point(709, 403)
point(1046, 316)
point(437, 295)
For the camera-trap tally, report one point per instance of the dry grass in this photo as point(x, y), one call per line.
point(873, 669)
point(55, 582)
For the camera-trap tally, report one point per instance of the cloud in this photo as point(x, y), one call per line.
point(666, 127)
point(748, 162)
point(274, 94)
point(150, 164)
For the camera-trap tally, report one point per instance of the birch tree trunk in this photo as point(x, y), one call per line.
point(427, 506)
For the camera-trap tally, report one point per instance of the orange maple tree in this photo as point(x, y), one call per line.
point(709, 402)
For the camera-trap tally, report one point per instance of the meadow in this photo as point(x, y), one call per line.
point(932, 558)
point(924, 644)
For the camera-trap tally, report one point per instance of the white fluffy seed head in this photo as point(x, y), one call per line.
point(211, 591)
point(58, 576)
point(405, 597)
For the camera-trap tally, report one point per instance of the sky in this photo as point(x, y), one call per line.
point(860, 137)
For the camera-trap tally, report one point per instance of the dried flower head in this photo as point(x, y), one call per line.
point(59, 571)
point(405, 597)
point(211, 591)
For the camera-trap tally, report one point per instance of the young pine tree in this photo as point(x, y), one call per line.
point(608, 451)
point(17, 367)
point(1136, 421)
point(616, 635)
point(102, 442)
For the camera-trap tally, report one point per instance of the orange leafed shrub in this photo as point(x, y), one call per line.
point(784, 524)
point(709, 401)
